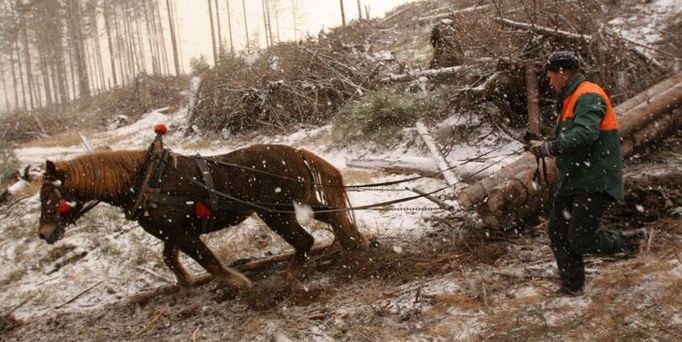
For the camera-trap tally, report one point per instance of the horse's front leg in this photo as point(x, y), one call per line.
point(197, 250)
point(170, 257)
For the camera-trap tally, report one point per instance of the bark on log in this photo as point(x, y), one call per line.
point(519, 198)
point(478, 191)
point(449, 14)
point(442, 164)
point(646, 112)
point(421, 166)
point(647, 94)
point(427, 73)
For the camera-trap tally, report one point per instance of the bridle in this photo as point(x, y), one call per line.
point(64, 213)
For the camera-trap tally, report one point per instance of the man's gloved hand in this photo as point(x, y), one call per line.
point(540, 148)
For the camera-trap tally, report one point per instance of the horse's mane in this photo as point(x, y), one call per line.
point(102, 174)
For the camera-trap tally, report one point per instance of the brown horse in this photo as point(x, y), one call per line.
point(265, 179)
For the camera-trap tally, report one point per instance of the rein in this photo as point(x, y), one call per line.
point(273, 207)
point(370, 185)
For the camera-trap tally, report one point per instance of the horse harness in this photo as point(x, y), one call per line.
point(147, 190)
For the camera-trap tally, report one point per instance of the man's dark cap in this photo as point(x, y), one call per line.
point(562, 60)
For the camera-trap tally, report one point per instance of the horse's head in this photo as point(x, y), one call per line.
point(58, 209)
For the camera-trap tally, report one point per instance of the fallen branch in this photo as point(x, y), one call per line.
point(545, 30)
point(78, 295)
point(147, 326)
point(426, 73)
point(205, 278)
point(442, 164)
point(449, 14)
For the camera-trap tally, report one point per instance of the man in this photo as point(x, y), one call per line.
point(587, 149)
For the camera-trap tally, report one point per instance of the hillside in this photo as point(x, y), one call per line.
point(430, 273)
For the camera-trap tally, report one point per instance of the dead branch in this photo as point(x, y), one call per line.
point(449, 71)
point(449, 14)
point(441, 162)
point(78, 295)
point(251, 266)
point(545, 30)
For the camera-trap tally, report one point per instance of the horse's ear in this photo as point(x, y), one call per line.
point(51, 171)
point(50, 168)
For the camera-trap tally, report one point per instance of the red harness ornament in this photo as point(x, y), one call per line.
point(202, 211)
point(64, 207)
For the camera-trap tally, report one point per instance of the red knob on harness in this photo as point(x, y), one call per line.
point(160, 129)
point(64, 207)
point(202, 211)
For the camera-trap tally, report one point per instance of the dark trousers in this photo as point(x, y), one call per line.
point(574, 230)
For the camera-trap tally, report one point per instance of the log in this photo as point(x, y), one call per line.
point(449, 71)
point(421, 166)
point(442, 164)
point(532, 92)
point(646, 112)
point(647, 94)
point(520, 197)
point(545, 30)
point(449, 14)
point(478, 191)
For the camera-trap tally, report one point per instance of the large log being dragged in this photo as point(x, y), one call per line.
point(517, 196)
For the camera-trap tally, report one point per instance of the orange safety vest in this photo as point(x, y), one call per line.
point(608, 122)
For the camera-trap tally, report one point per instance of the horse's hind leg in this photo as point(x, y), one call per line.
point(345, 231)
point(288, 228)
point(197, 250)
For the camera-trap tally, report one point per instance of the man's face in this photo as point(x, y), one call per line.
point(557, 79)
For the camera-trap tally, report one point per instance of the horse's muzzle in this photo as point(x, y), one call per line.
point(51, 232)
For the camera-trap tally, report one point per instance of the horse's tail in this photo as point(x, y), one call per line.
point(329, 191)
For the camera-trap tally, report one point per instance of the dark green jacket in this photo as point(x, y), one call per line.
point(588, 157)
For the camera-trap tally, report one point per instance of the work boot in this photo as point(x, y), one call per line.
point(564, 291)
point(633, 240)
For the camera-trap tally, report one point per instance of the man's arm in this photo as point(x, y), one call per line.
point(587, 115)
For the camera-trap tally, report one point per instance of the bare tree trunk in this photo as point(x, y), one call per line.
point(229, 26)
point(4, 84)
point(21, 72)
point(246, 25)
point(359, 11)
point(343, 13)
point(367, 12)
point(120, 48)
point(221, 50)
point(15, 85)
point(151, 38)
point(277, 21)
point(293, 12)
point(267, 12)
point(74, 18)
point(162, 39)
point(210, 17)
point(268, 38)
point(107, 28)
point(27, 52)
point(176, 57)
point(532, 93)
